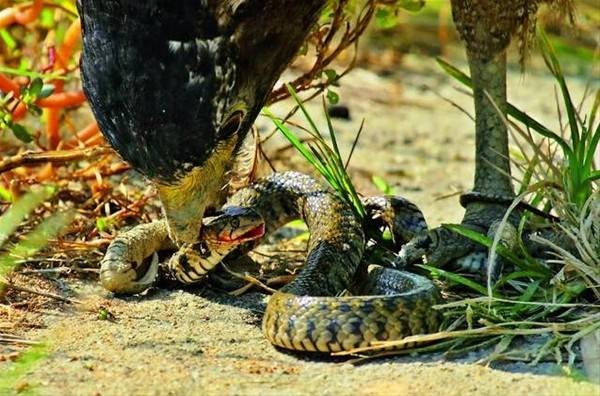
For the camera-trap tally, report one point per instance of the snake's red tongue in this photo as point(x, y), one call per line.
point(254, 233)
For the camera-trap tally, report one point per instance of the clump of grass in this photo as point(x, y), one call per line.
point(11, 259)
point(36, 239)
point(11, 379)
point(584, 263)
point(564, 176)
point(556, 298)
point(567, 165)
point(325, 158)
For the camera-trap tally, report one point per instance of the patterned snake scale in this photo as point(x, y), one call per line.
point(308, 314)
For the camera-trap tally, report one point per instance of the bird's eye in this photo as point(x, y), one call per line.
point(232, 125)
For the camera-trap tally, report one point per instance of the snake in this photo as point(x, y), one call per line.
point(337, 302)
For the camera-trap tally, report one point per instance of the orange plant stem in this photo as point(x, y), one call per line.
point(88, 132)
point(7, 16)
point(30, 14)
point(8, 85)
point(95, 140)
point(62, 99)
point(52, 120)
point(19, 111)
point(84, 135)
point(72, 37)
point(52, 128)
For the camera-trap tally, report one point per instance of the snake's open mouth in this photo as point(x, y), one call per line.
point(255, 233)
point(252, 234)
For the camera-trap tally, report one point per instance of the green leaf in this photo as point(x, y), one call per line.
point(101, 224)
point(5, 195)
point(35, 240)
point(411, 5)
point(331, 75)
point(8, 39)
point(454, 72)
point(47, 90)
point(35, 110)
point(385, 18)
point(332, 97)
point(35, 86)
point(47, 18)
point(381, 185)
point(12, 372)
point(17, 212)
point(33, 74)
point(21, 133)
point(595, 175)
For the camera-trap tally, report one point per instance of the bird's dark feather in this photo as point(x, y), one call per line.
point(153, 103)
point(162, 75)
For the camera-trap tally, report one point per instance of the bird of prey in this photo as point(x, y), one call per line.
point(176, 85)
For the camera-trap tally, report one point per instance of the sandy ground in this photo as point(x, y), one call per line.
point(203, 342)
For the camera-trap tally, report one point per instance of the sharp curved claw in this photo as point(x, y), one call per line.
point(413, 251)
point(120, 268)
point(121, 278)
point(478, 263)
point(442, 247)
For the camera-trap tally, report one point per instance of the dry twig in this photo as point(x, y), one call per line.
point(30, 158)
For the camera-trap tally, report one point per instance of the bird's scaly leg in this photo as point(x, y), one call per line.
point(123, 269)
point(492, 176)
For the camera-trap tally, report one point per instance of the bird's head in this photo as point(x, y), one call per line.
point(176, 85)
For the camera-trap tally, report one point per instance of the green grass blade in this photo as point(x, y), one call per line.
point(35, 240)
point(324, 158)
point(539, 128)
point(340, 167)
point(554, 65)
point(455, 72)
point(519, 275)
point(461, 280)
point(294, 141)
point(33, 74)
point(593, 146)
point(527, 296)
point(593, 177)
point(594, 109)
point(300, 104)
point(13, 217)
point(336, 149)
point(10, 376)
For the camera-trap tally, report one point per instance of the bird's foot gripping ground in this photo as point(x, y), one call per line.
point(497, 219)
point(444, 247)
point(130, 264)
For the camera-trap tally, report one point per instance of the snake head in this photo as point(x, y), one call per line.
point(233, 226)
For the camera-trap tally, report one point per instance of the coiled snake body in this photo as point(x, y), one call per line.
point(308, 314)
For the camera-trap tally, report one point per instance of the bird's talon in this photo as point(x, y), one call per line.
point(443, 248)
point(121, 269)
